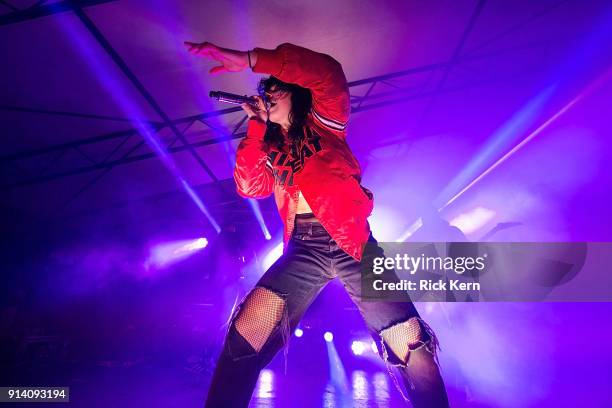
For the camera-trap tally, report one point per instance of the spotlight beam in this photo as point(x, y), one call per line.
point(145, 131)
point(93, 29)
point(337, 372)
point(532, 135)
point(357, 106)
point(584, 93)
point(231, 157)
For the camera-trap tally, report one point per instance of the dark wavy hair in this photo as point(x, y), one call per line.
point(301, 103)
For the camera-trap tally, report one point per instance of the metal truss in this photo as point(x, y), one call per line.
point(114, 149)
point(42, 9)
point(44, 164)
point(119, 148)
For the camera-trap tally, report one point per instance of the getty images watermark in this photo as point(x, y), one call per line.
point(475, 272)
point(412, 264)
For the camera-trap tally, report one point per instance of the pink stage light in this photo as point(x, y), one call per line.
point(168, 253)
point(474, 220)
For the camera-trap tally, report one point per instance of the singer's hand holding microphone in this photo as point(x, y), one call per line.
point(256, 110)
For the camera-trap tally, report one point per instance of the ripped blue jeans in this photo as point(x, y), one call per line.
point(311, 260)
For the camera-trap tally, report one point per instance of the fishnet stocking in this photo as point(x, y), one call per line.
point(259, 315)
point(403, 337)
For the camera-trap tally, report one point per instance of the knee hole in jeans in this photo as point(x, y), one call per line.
point(404, 337)
point(259, 315)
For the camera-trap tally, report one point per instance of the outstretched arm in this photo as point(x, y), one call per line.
point(253, 170)
point(290, 63)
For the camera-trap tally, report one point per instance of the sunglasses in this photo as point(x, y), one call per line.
point(274, 95)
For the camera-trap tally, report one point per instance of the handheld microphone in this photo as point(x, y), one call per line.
point(231, 98)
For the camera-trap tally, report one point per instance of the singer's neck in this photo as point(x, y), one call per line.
point(285, 125)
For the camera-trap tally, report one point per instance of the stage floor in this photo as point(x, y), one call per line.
point(168, 384)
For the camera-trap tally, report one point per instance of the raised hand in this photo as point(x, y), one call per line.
point(229, 60)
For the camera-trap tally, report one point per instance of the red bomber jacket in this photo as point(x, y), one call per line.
point(323, 167)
